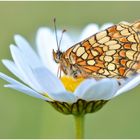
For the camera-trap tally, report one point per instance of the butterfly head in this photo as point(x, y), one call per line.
point(57, 56)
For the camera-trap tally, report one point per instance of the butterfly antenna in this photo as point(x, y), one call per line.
point(55, 30)
point(61, 38)
point(59, 71)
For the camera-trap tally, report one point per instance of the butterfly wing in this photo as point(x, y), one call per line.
point(114, 52)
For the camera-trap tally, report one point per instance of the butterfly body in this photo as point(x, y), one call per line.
point(114, 52)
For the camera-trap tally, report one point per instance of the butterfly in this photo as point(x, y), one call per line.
point(113, 52)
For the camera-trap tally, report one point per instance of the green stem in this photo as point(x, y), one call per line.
point(79, 126)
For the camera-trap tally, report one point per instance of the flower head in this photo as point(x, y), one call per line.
point(37, 75)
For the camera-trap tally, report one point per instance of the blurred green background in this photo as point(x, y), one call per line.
point(22, 116)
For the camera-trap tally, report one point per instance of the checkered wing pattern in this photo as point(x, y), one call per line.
point(114, 52)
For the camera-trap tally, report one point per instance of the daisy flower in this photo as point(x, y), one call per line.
point(37, 75)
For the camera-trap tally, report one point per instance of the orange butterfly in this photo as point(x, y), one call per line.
point(114, 52)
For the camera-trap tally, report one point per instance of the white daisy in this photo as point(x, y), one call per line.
point(37, 75)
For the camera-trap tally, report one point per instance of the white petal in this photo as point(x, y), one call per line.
point(81, 89)
point(105, 26)
point(28, 52)
point(28, 91)
point(45, 78)
point(49, 82)
point(91, 29)
point(24, 69)
point(10, 65)
point(21, 87)
point(129, 84)
point(8, 79)
point(64, 97)
point(45, 44)
point(100, 90)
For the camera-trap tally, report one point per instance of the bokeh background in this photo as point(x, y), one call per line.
point(22, 116)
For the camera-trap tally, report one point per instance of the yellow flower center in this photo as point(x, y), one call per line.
point(70, 83)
